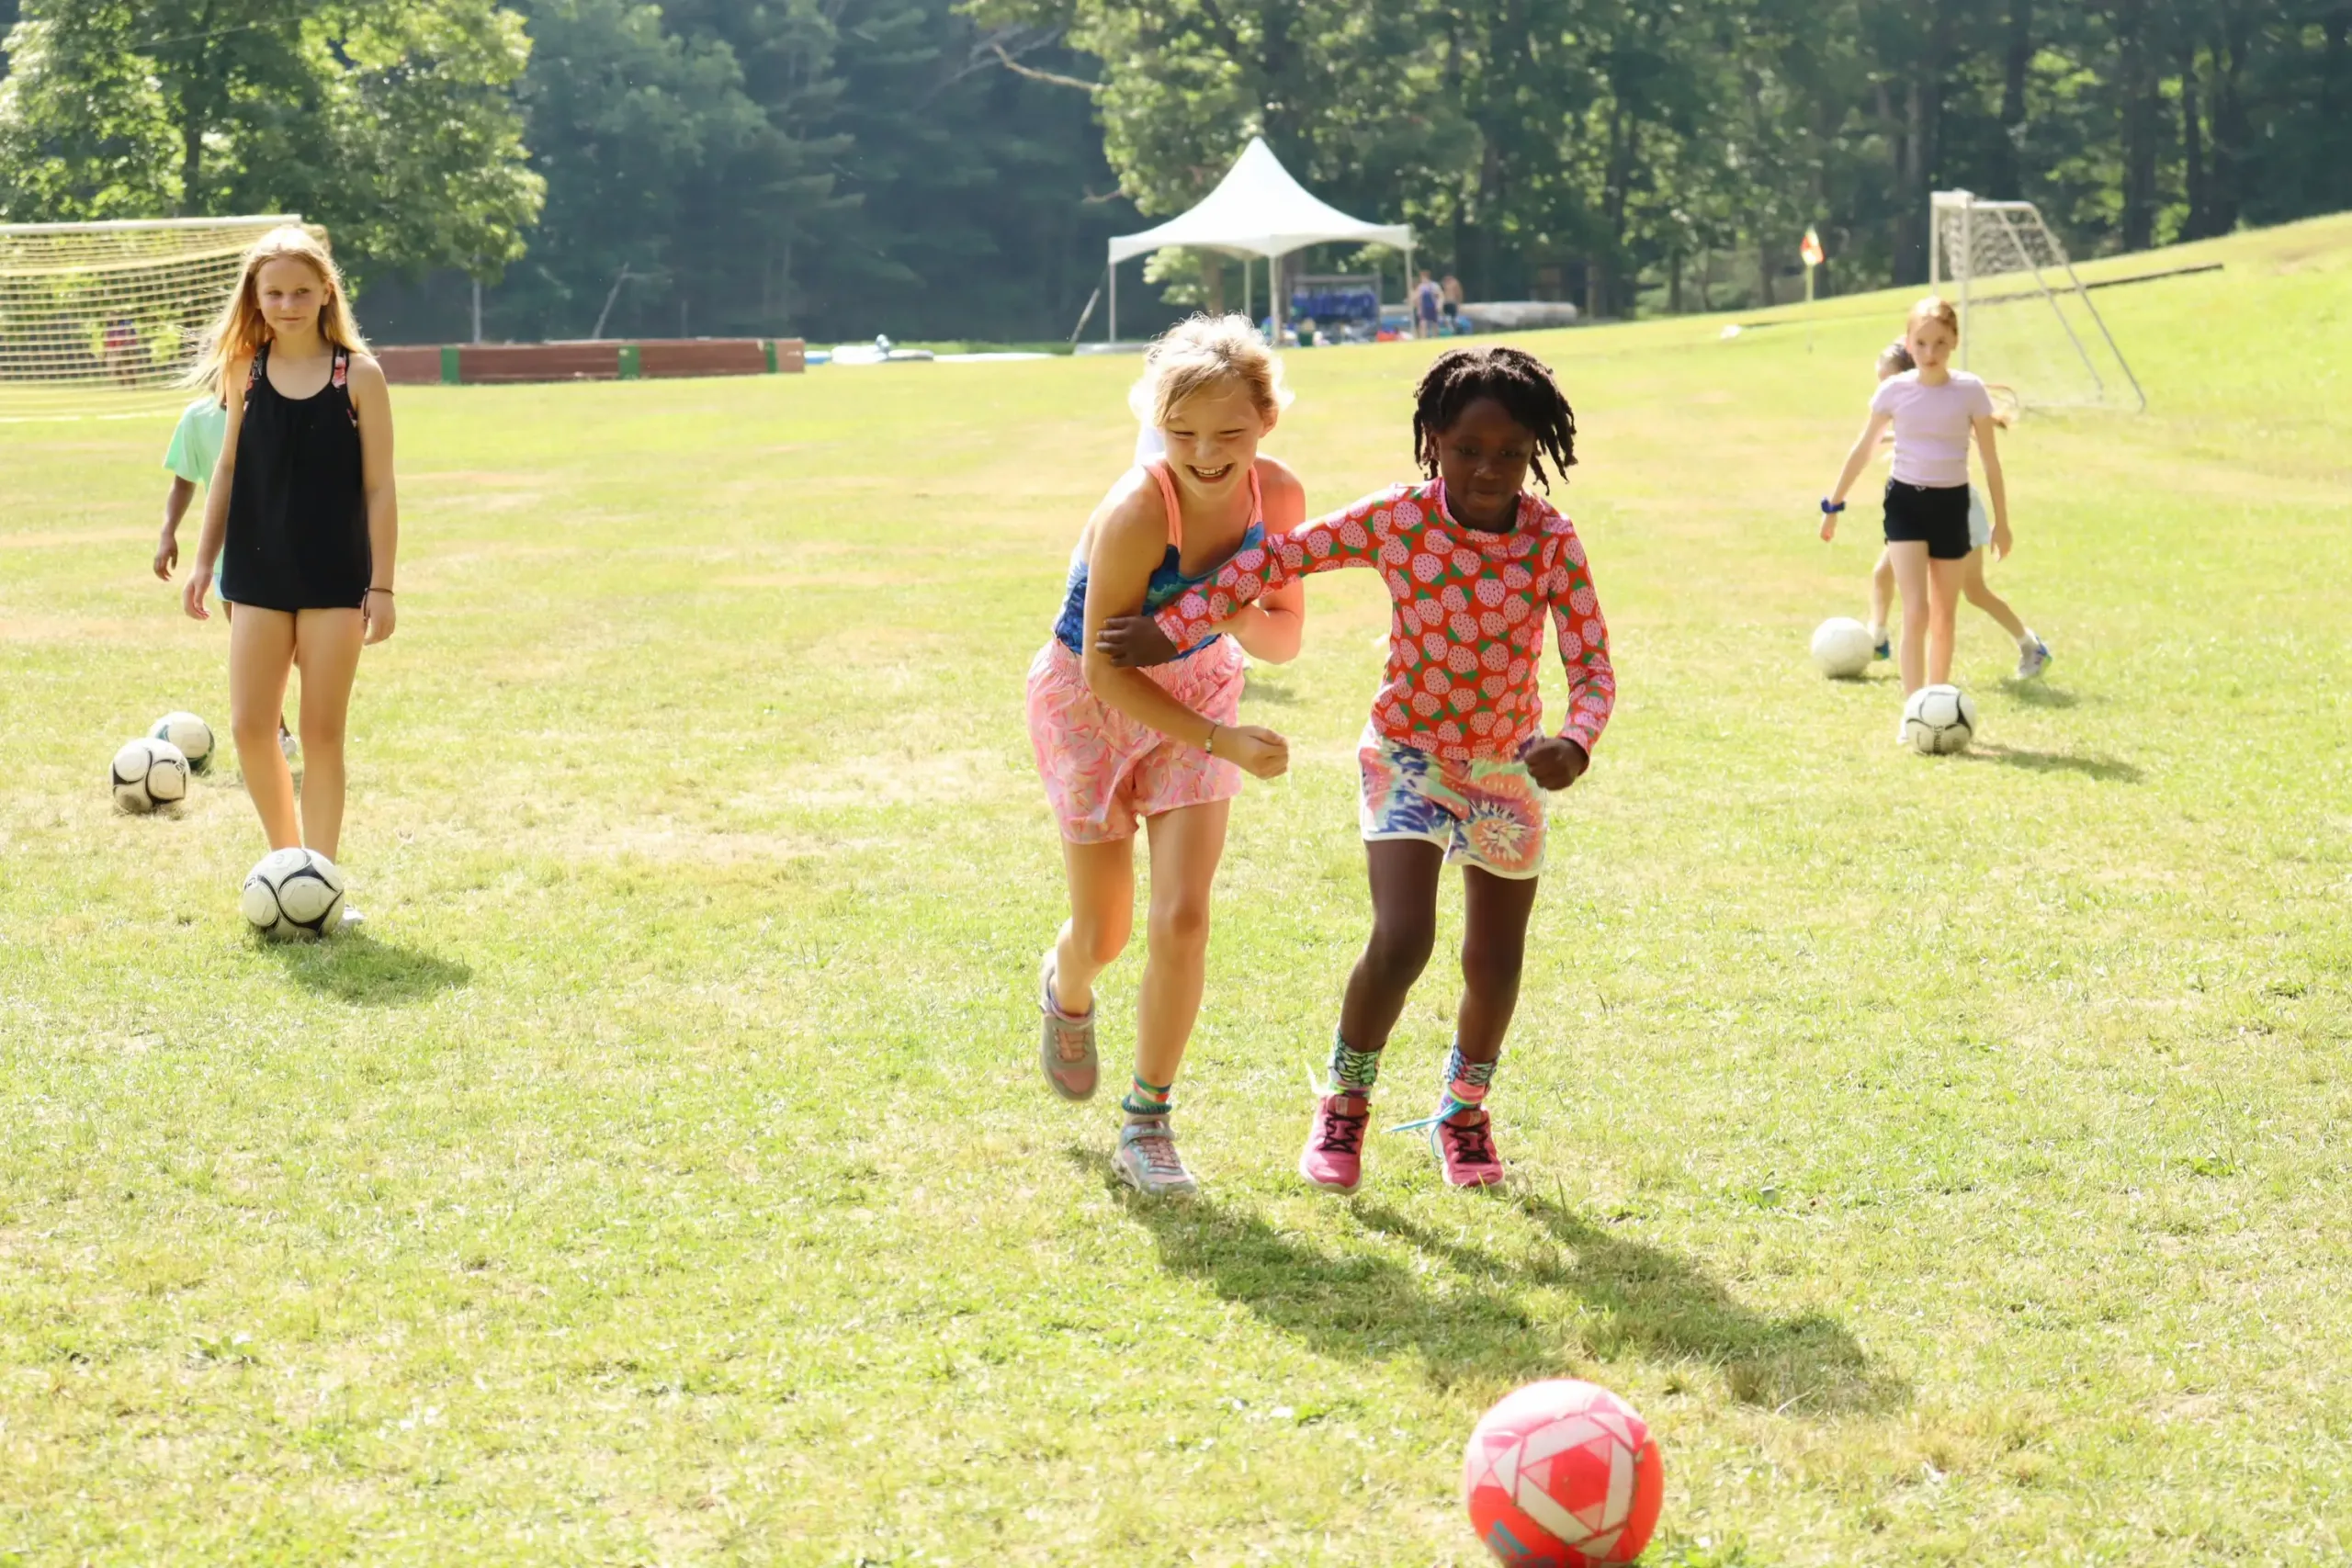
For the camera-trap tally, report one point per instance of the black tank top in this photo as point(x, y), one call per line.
point(297, 505)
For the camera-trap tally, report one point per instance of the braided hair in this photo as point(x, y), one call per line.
point(1513, 377)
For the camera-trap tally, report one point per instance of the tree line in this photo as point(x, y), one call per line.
point(952, 167)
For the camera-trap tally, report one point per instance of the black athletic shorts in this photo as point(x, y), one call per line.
point(1937, 517)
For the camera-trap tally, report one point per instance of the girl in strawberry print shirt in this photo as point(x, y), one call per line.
point(1455, 761)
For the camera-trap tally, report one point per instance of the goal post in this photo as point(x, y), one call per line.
point(2026, 320)
point(99, 319)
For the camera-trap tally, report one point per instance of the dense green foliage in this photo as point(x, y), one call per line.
point(934, 168)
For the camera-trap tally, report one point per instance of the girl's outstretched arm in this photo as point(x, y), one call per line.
point(216, 493)
point(1996, 489)
point(1349, 538)
point(373, 402)
point(1856, 461)
point(1271, 628)
point(1130, 539)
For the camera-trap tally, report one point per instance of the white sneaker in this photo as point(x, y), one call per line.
point(2033, 662)
point(352, 919)
point(287, 744)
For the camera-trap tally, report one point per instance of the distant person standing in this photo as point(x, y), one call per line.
point(1427, 299)
point(1451, 292)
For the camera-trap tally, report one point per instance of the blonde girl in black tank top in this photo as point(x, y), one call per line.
point(302, 515)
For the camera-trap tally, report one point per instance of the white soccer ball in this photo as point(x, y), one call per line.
point(190, 734)
point(1939, 719)
point(1842, 647)
point(147, 773)
point(293, 895)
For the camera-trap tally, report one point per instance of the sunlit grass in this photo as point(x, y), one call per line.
point(1948, 1157)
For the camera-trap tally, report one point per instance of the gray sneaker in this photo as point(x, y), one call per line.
point(1148, 1160)
point(2033, 661)
point(286, 743)
point(1065, 1044)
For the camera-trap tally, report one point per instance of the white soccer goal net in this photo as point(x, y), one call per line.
point(99, 319)
point(2025, 321)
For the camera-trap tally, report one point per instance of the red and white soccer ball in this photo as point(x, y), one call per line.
point(1563, 1474)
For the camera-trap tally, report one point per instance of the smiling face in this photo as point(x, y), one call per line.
point(292, 294)
point(1483, 458)
point(1213, 438)
point(1932, 343)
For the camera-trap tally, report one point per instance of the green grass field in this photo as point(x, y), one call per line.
point(1949, 1157)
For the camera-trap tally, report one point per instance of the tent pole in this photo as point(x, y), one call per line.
point(1248, 277)
point(1412, 302)
point(1111, 322)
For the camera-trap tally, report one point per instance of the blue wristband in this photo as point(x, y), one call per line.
point(1831, 508)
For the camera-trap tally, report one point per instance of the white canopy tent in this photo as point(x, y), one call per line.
point(1256, 210)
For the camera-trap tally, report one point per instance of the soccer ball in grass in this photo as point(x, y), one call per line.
point(148, 773)
point(190, 734)
point(1939, 719)
point(1842, 647)
point(293, 895)
point(1562, 1474)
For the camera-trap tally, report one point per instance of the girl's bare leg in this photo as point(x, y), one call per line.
point(1910, 560)
point(327, 644)
point(1882, 591)
point(1494, 946)
point(1102, 914)
point(1186, 845)
point(1944, 610)
point(261, 651)
point(1980, 594)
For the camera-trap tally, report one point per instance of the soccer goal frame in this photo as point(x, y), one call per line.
point(92, 312)
point(2001, 253)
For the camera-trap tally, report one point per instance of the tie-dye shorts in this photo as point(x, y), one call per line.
point(1105, 771)
point(1484, 813)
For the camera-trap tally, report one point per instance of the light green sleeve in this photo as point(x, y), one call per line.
point(195, 441)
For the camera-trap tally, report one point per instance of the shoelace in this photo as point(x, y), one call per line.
point(1344, 1134)
point(1158, 1151)
point(1473, 1145)
point(1069, 1039)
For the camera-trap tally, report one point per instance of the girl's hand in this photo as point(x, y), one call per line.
point(192, 593)
point(380, 614)
point(1828, 526)
point(2001, 541)
point(1131, 642)
point(1261, 753)
point(167, 553)
point(1556, 762)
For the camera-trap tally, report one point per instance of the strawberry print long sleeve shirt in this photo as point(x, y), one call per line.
point(1467, 633)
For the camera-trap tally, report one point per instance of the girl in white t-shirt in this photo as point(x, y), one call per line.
point(2033, 654)
point(1933, 409)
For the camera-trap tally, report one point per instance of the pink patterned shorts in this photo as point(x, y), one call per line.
point(1105, 771)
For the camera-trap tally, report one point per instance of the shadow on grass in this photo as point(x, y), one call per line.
point(1468, 1318)
point(1257, 689)
point(2100, 768)
point(2039, 694)
point(358, 968)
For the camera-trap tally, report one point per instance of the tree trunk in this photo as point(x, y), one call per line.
point(2137, 82)
point(192, 164)
point(2192, 147)
point(1764, 269)
point(1674, 283)
point(2231, 131)
point(2017, 59)
point(1707, 279)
